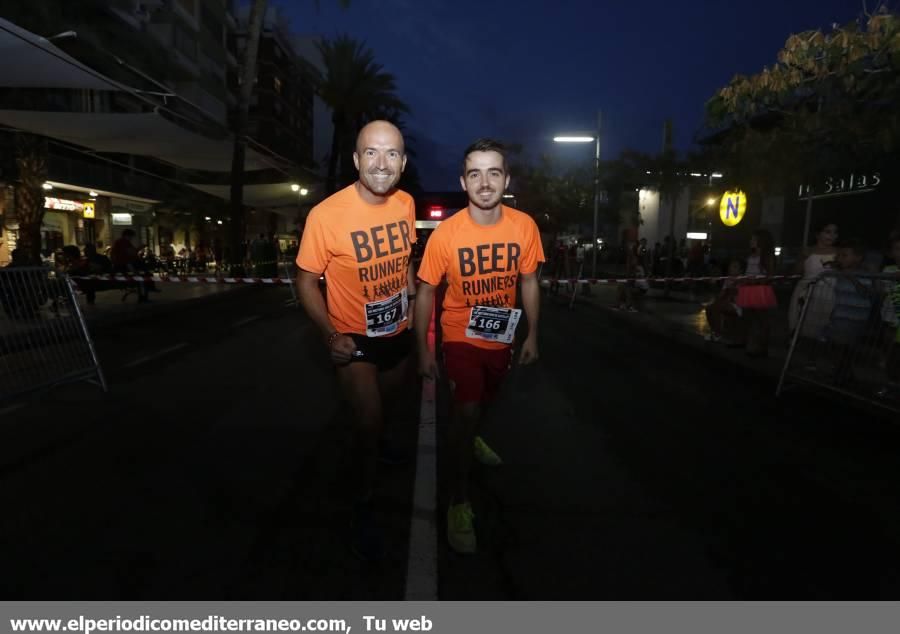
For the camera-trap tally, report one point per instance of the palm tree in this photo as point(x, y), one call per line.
point(31, 164)
point(248, 76)
point(357, 90)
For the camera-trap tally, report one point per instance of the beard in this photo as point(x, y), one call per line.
point(485, 203)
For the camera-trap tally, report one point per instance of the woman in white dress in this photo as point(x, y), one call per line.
point(818, 259)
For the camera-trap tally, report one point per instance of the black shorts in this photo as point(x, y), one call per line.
point(385, 352)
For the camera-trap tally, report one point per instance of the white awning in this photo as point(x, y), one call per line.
point(146, 134)
point(30, 61)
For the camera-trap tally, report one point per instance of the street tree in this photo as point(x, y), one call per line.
point(357, 89)
point(829, 102)
point(31, 166)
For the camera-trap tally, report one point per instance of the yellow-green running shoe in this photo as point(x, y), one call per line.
point(460, 531)
point(485, 455)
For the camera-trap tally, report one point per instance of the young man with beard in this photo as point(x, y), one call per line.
point(485, 251)
point(361, 239)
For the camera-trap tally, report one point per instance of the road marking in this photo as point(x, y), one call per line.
point(421, 565)
point(245, 321)
point(155, 355)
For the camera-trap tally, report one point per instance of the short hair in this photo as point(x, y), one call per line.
point(853, 244)
point(485, 145)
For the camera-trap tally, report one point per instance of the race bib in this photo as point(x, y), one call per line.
point(384, 317)
point(493, 324)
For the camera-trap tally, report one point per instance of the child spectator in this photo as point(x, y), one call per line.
point(853, 299)
point(723, 314)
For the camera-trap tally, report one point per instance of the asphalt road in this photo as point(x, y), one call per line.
point(636, 468)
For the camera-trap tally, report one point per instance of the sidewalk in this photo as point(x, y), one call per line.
point(681, 317)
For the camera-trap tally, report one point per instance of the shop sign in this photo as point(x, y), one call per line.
point(732, 208)
point(62, 204)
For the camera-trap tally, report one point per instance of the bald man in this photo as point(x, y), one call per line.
point(361, 239)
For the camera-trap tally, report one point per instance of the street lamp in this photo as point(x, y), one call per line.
point(595, 139)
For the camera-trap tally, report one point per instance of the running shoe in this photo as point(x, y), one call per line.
point(485, 455)
point(460, 530)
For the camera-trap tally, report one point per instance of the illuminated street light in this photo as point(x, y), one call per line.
point(47, 186)
point(295, 187)
point(303, 191)
point(575, 138)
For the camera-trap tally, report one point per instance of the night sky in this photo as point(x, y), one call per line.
point(524, 70)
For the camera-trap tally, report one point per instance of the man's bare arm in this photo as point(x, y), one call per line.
point(531, 300)
point(424, 306)
point(313, 303)
point(411, 291)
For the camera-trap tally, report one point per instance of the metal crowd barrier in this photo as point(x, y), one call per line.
point(44, 340)
point(846, 338)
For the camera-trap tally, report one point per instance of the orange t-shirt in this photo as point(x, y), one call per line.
point(364, 252)
point(482, 265)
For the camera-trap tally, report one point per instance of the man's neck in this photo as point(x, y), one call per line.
point(485, 216)
point(369, 196)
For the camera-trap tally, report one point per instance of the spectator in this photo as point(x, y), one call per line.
point(124, 258)
point(756, 298)
point(624, 295)
point(853, 300)
point(22, 293)
point(95, 264)
point(723, 313)
point(820, 258)
point(560, 266)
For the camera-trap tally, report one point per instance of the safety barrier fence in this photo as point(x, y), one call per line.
point(846, 340)
point(44, 340)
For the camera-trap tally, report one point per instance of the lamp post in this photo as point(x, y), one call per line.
point(596, 141)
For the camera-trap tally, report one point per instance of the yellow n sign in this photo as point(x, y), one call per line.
point(88, 210)
point(732, 208)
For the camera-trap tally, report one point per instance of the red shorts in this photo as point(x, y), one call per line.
point(475, 373)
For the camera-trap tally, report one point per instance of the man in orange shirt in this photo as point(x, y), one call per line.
point(485, 251)
point(361, 239)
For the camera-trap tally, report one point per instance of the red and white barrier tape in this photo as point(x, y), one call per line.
point(188, 279)
point(621, 280)
point(214, 279)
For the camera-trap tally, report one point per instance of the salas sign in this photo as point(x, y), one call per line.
point(853, 183)
point(732, 208)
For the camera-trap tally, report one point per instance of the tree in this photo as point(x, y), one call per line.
point(357, 90)
point(237, 226)
point(829, 102)
point(31, 165)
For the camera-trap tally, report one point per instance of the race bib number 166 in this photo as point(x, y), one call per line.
point(493, 324)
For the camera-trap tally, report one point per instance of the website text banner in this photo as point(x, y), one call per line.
point(446, 618)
